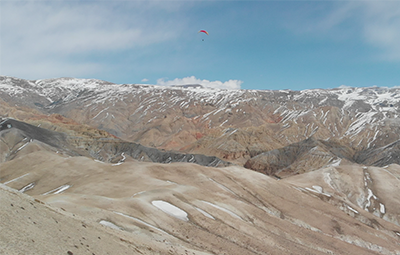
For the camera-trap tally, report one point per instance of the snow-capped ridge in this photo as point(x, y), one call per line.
point(183, 117)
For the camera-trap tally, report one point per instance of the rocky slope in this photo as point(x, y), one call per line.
point(364, 187)
point(16, 135)
point(297, 158)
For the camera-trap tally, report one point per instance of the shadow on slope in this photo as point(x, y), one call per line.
point(308, 155)
point(383, 156)
point(15, 135)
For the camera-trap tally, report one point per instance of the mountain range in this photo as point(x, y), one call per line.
point(194, 170)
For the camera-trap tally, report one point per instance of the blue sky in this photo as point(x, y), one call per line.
point(251, 44)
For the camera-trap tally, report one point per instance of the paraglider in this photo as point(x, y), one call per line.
point(203, 31)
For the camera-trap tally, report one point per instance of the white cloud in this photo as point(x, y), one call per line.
point(381, 27)
point(378, 24)
point(145, 80)
point(56, 35)
point(375, 23)
point(231, 84)
point(52, 69)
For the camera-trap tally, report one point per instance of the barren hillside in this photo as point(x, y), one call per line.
point(91, 167)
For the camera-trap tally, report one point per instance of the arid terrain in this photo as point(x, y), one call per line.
point(91, 167)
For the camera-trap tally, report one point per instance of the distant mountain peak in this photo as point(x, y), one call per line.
point(186, 86)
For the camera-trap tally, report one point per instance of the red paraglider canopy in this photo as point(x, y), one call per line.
point(203, 31)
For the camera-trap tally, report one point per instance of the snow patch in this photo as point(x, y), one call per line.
point(20, 148)
point(336, 162)
point(382, 208)
point(352, 209)
point(27, 187)
point(363, 120)
point(205, 213)
point(15, 179)
point(109, 224)
point(328, 179)
point(141, 221)
point(317, 188)
point(222, 186)
point(138, 193)
point(224, 209)
point(170, 209)
point(370, 195)
point(58, 190)
point(121, 161)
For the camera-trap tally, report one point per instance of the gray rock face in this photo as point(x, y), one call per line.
point(297, 158)
point(16, 134)
point(382, 156)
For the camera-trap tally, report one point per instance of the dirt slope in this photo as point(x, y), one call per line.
point(30, 227)
point(190, 207)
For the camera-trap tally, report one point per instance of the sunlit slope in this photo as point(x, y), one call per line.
point(30, 227)
point(218, 210)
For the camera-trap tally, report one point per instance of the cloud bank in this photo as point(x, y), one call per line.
point(378, 23)
point(50, 39)
point(382, 27)
point(375, 24)
point(231, 84)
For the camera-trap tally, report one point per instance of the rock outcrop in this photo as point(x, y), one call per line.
point(302, 157)
point(15, 135)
